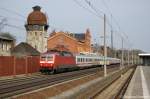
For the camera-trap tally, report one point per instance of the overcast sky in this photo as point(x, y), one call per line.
point(131, 19)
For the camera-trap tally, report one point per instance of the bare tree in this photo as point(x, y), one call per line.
point(8, 35)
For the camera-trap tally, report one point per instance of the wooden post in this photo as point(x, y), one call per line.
point(26, 65)
point(14, 65)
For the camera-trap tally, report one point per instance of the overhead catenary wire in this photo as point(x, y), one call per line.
point(78, 3)
point(105, 46)
point(98, 14)
point(108, 23)
point(116, 22)
point(12, 18)
point(14, 26)
point(13, 12)
point(122, 34)
point(23, 18)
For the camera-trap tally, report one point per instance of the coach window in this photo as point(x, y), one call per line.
point(83, 59)
point(78, 59)
point(90, 59)
point(86, 59)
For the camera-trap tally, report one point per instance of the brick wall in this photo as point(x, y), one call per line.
point(70, 43)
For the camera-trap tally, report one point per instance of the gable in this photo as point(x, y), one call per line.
point(73, 42)
point(61, 37)
point(24, 49)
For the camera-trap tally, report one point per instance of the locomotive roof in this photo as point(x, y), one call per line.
point(92, 55)
point(57, 52)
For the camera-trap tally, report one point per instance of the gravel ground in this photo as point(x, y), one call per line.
point(111, 91)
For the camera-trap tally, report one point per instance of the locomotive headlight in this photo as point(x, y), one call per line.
point(42, 62)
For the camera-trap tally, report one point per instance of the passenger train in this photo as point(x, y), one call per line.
point(53, 61)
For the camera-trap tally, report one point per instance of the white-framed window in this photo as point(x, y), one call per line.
point(2, 46)
point(8, 46)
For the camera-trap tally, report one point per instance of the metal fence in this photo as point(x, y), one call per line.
point(10, 65)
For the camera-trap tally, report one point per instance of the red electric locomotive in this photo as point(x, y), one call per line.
point(56, 60)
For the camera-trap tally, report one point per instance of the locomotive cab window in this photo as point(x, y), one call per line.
point(67, 53)
point(43, 58)
point(49, 58)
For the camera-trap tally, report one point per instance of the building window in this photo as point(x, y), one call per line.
point(35, 47)
point(35, 33)
point(1, 45)
point(7, 46)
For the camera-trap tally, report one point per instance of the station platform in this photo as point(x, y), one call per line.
point(139, 87)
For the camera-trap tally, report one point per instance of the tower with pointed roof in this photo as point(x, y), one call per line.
point(36, 28)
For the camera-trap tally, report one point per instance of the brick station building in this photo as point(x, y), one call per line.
point(73, 42)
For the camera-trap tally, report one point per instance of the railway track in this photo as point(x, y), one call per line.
point(19, 79)
point(10, 87)
point(123, 89)
point(20, 85)
point(117, 88)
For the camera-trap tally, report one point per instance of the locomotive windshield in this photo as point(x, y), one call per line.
point(43, 58)
point(49, 58)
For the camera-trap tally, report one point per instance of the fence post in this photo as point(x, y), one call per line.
point(26, 65)
point(14, 65)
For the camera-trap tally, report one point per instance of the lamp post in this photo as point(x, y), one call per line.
point(122, 55)
point(128, 57)
point(105, 48)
